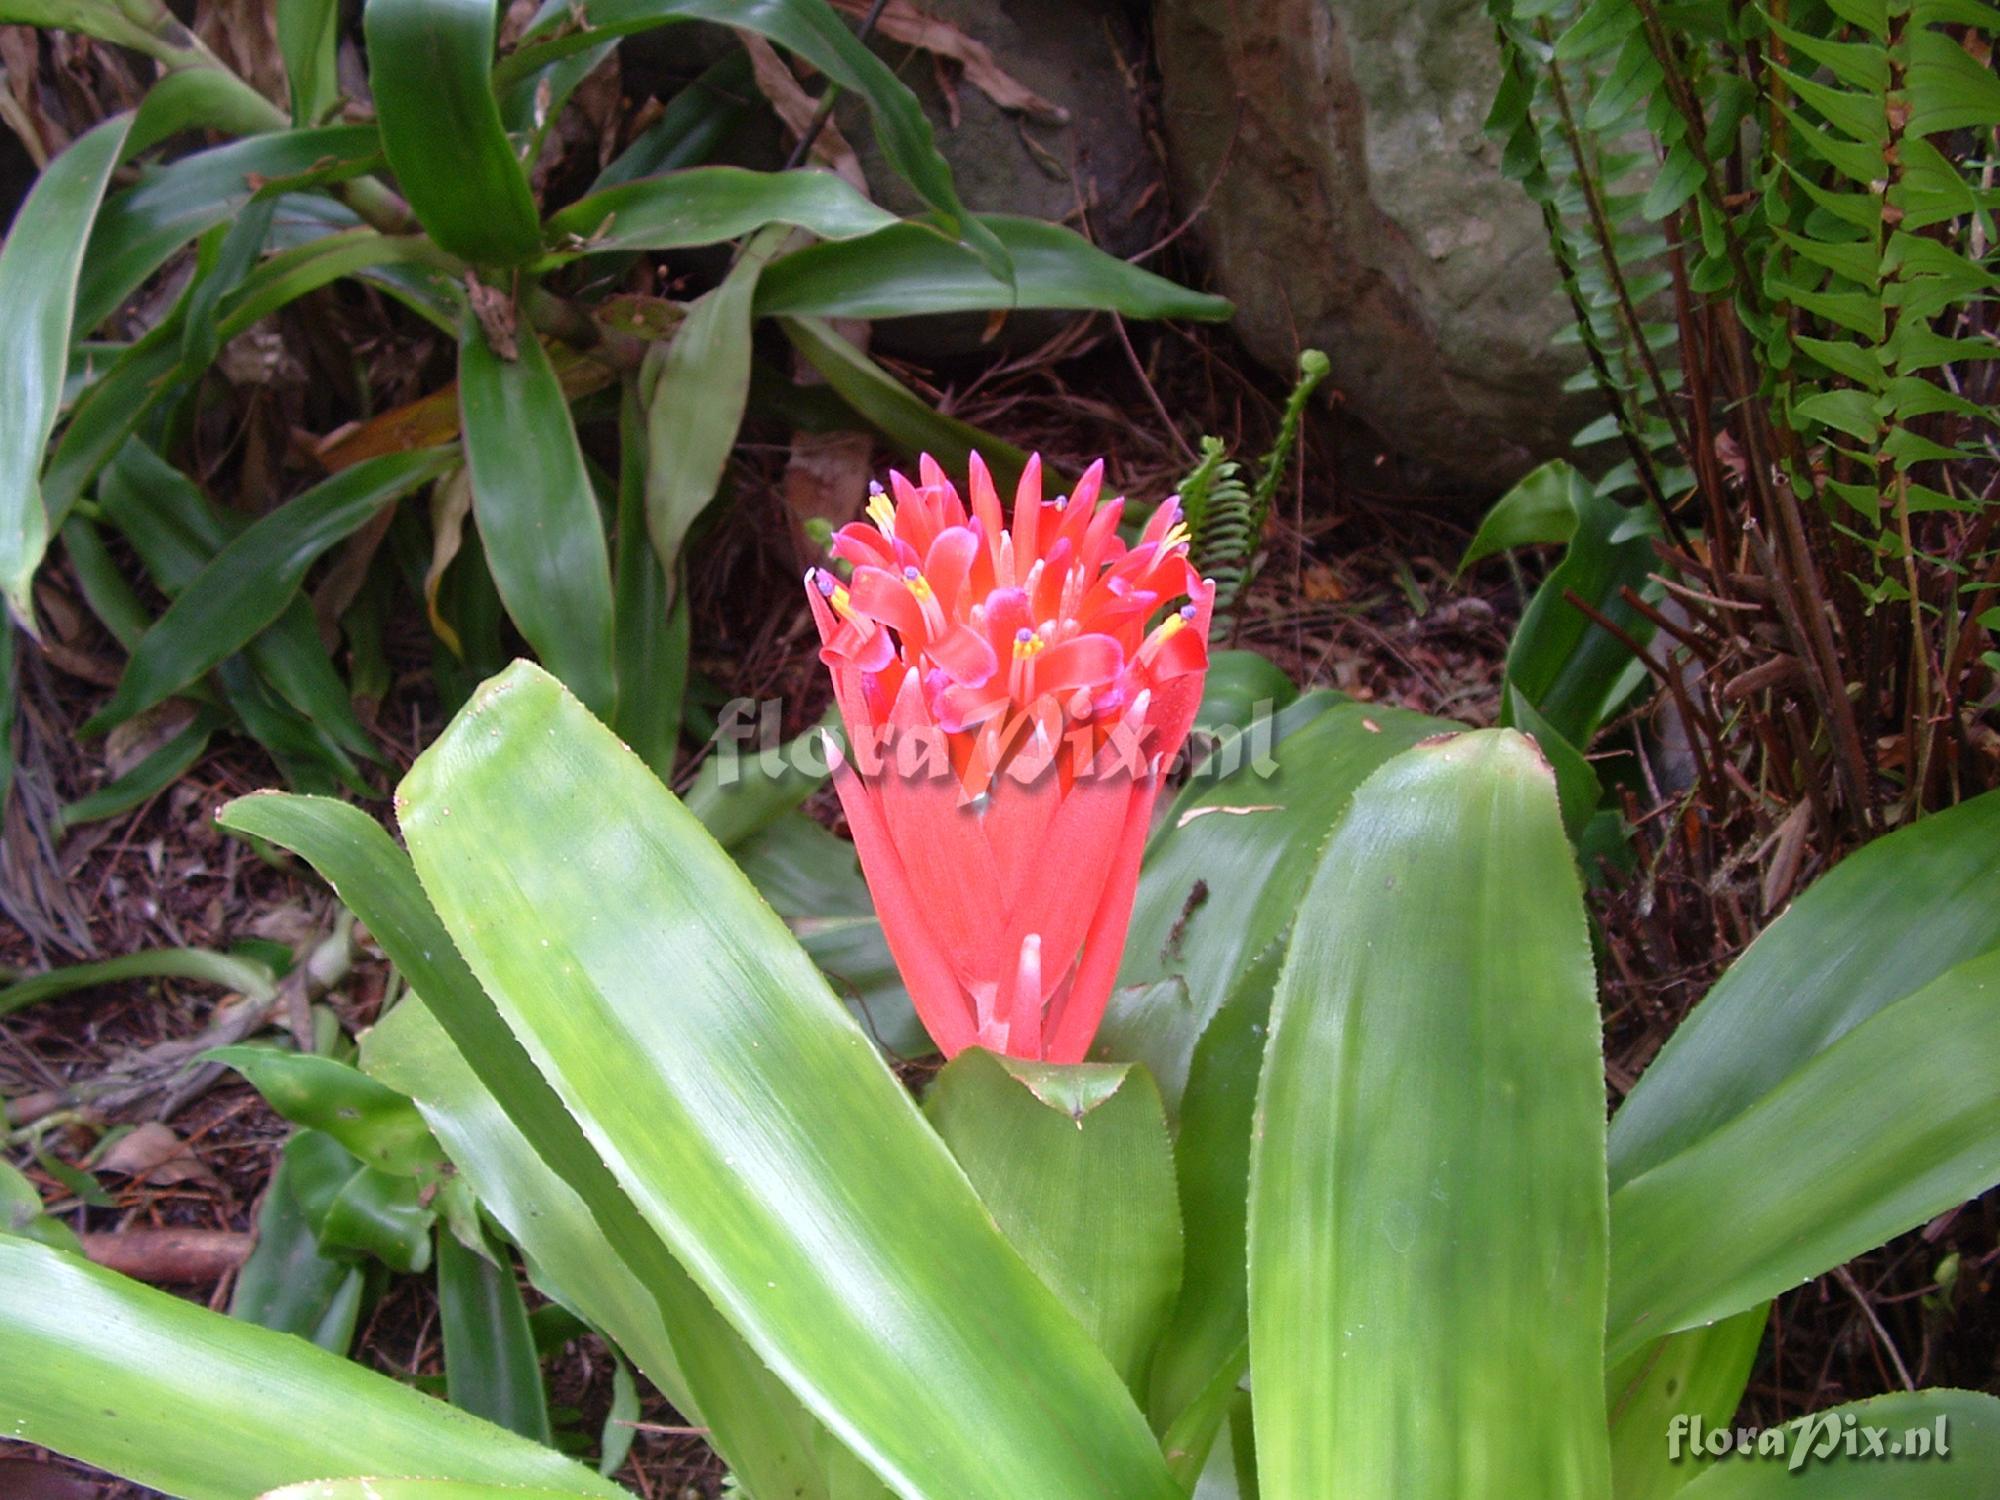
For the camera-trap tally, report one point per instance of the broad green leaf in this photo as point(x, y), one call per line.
point(21, 1214)
point(748, 780)
point(139, 26)
point(430, 65)
point(407, 1489)
point(1242, 687)
point(537, 514)
point(695, 390)
point(1886, 921)
point(1918, 1422)
point(1701, 1373)
point(747, 1117)
point(535, 1199)
point(813, 880)
point(376, 1123)
point(252, 580)
point(1574, 672)
point(707, 205)
point(896, 412)
point(309, 39)
point(177, 531)
point(423, 278)
point(1204, 1349)
point(1427, 1223)
point(1577, 786)
point(814, 31)
point(173, 204)
point(695, 122)
point(1076, 1164)
point(170, 1395)
point(289, 1284)
point(226, 256)
point(909, 269)
point(1223, 875)
point(409, 1051)
point(529, 1162)
point(1541, 507)
point(297, 750)
point(490, 1367)
point(651, 618)
point(1889, 1126)
point(199, 99)
point(383, 1216)
point(244, 975)
point(752, 1420)
point(39, 266)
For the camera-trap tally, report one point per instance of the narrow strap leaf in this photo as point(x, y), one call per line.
point(430, 64)
point(189, 1401)
point(39, 269)
point(537, 513)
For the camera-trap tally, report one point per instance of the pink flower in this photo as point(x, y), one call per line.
point(1011, 695)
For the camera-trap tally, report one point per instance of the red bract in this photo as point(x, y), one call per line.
point(1011, 695)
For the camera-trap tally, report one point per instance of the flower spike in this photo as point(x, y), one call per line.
point(1022, 685)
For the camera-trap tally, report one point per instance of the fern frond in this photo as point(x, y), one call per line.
point(1225, 517)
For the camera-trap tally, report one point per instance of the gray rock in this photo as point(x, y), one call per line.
point(1356, 206)
point(1073, 53)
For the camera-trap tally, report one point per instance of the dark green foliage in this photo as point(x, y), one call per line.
point(1776, 229)
point(448, 206)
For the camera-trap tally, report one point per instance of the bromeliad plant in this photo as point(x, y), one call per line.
point(1332, 1211)
point(426, 205)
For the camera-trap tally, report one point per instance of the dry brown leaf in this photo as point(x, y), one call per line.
point(796, 108)
point(451, 503)
point(131, 742)
point(20, 110)
point(244, 33)
point(1323, 585)
point(348, 572)
point(903, 22)
point(430, 420)
point(1789, 848)
point(826, 477)
point(154, 1154)
point(172, 1256)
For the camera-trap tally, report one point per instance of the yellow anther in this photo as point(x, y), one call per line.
point(1027, 644)
point(1177, 534)
point(1163, 632)
point(919, 585)
point(841, 601)
point(882, 511)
